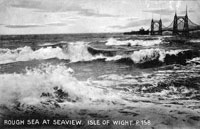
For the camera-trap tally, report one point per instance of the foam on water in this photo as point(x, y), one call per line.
point(194, 60)
point(152, 54)
point(195, 41)
point(166, 84)
point(26, 54)
point(145, 55)
point(49, 83)
point(78, 51)
point(113, 41)
point(115, 96)
point(73, 51)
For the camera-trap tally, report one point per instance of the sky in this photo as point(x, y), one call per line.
point(89, 16)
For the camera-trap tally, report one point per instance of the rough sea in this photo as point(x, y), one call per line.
point(151, 79)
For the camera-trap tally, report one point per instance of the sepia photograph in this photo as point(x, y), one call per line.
point(99, 64)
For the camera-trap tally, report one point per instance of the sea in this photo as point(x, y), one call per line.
point(141, 81)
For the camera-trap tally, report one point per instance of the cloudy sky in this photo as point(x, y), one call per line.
point(88, 16)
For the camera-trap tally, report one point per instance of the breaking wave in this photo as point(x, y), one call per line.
point(48, 84)
point(145, 55)
point(156, 56)
point(26, 54)
point(72, 51)
point(80, 51)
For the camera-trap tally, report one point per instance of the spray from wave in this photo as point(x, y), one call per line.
point(50, 85)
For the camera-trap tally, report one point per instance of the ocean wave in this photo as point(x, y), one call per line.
point(53, 92)
point(156, 56)
point(113, 41)
point(50, 84)
point(72, 51)
point(181, 82)
point(26, 54)
point(81, 51)
point(145, 55)
point(78, 51)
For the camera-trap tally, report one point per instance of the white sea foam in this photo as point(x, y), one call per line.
point(194, 60)
point(114, 58)
point(175, 52)
point(146, 55)
point(195, 40)
point(78, 51)
point(73, 51)
point(113, 41)
point(26, 54)
point(28, 88)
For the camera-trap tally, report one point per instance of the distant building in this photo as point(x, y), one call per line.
point(142, 31)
